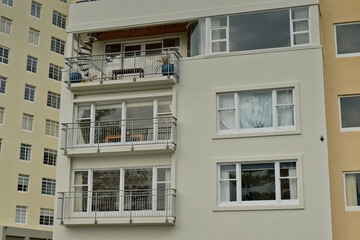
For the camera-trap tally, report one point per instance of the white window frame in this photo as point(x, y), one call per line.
point(48, 214)
point(31, 64)
point(50, 157)
point(336, 48)
point(349, 129)
point(2, 115)
point(6, 23)
point(37, 9)
point(349, 208)
point(275, 129)
point(59, 19)
point(23, 180)
point(34, 37)
point(57, 45)
point(27, 122)
point(220, 40)
point(4, 51)
point(48, 186)
point(55, 70)
point(30, 92)
point(265, 204)
point(3, 81)
point(9, 3)
point(26, 148)
point(21, 212)
point(293, 33)
point(53, 100)
point(52, 128)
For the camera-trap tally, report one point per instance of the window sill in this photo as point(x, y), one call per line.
point(259, 207)
point(257, 134)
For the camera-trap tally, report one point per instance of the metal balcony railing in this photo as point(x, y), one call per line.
point(121, 65)
point(84, 133)
point(125, 204)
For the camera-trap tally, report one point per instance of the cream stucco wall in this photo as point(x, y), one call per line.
point(341, 78)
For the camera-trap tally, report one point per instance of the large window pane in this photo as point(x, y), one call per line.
point(259, 30)
point(258, 181)
point(80, 191)
point(106, 185)
point(350, 112)
point(348, 38)
point(288, 181)
point(108, 123)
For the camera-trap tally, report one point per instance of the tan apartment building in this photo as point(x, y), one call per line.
point(340, 22)
point(193, 120)
point(32, 49)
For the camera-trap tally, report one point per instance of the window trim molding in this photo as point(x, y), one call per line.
point(256, 132)
point(336, 46)
point(263, 205)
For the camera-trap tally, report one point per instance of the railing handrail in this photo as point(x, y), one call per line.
point(172, 50)
point(123, 190)
point(124, 120)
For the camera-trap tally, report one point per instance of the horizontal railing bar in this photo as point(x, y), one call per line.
point(126, 120)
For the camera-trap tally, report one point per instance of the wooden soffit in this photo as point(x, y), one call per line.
point(142, 31)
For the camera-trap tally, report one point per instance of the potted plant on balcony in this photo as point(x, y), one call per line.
point(166, 64)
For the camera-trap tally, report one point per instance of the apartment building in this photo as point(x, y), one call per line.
point(193, 120)
point(340, 23)
point(32, 51)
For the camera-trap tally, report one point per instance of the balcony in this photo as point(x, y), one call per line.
point(148, 134)
point(125, 69)
point(146, 206)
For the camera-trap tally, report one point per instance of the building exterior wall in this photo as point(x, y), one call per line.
point(341, 79)
point(14, 106)
point(200, 149)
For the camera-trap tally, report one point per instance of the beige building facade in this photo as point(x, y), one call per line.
point(32, 45)
point(340, 34)
point(193, 120)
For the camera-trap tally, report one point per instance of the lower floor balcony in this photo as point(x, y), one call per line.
point(140, 206)
point(84, 136)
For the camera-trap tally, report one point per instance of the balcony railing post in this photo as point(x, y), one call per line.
point(95, 220)
point(130, 221)
point(168, 57)
point(98, 137)
point(166, 197)
point(134, 79)
point(62, 208)
point(70, 72)
point(66, 139)
point(102, 69)
point(167, 133)
point(132, 135)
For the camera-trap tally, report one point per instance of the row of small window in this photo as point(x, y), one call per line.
point(49, 155)
point(10, 3)
point(47, 185)
point(52, 127)
point(58, 18)
point(46, 216)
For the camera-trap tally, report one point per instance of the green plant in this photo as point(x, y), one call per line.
point(165, 58)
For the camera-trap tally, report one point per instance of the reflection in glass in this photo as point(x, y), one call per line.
point(350, 111)
point(348, 38)
point(288, 181)
point(105, 192)
point(108, 123)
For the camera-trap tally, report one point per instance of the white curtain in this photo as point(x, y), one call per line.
point(351, 192)
point(226, 117)
point(293, 184)
point(82, 132)
point(225, 182)
point(286, 112)
point(255, 110)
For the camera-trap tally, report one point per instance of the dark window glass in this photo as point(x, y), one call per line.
point(259, 30)
point(171, 42)
point(113, 48)
point(350, 112)
point(348, 38)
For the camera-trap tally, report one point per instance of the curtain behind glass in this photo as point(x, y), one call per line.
point(255, 110)
point(351, 191)
point(83, 126)
point(226, 111)
point(286, 108)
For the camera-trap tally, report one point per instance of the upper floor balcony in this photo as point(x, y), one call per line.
point(146, 134)
point(151, 66)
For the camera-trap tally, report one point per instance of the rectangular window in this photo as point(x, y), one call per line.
point(251, 31)
point(46, 217)
point(53, 100)
point(2, 112)
point(4, 55)
point(31, 64)
point(20, 216)
point(10, 3)
point(352, 190)
point(350, 113)
point(267, 182)
point(35, 9)
point(0, 144)
point(64, 1)
point(2, 84)
point(59, 19)
point(25, 152)
point(57, 45)
point(55, 72)
point(29, 93)
point(23, 183)
point(255, 110)
point(5, 25)
point(52, 128)
point(50, 157)
point(27, 123)
point(347, 37)
point(34, 36)
point(48, 186)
